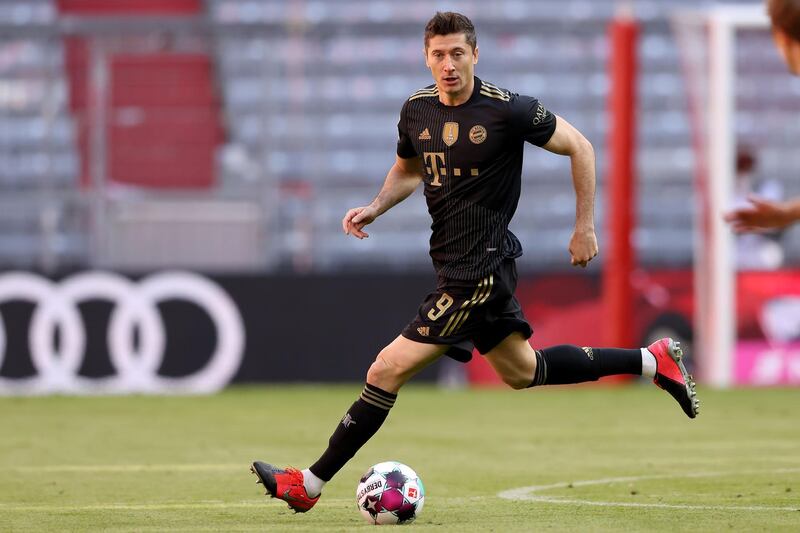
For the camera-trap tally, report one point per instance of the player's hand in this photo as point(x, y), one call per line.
point(760, 215)
point(582, 247)
point(355, 220)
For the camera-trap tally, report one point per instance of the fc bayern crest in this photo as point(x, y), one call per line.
point(450, 133)
point(477, 134)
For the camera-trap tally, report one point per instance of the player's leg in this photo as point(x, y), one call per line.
point(393, 367)
point(520, 366)
point(400, 361)
point(503, 335)
point(503, 339)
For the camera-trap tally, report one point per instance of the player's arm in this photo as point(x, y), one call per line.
point(566, 140)
point(764, 214)
point(404, 176)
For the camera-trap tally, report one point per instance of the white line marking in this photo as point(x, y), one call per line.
point(526, 493)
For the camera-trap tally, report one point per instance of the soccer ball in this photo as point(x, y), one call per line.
point(390, 493)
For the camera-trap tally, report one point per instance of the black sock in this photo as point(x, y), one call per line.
point(358, 425)
point(559, 365)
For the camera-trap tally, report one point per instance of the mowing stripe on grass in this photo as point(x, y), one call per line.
point(149, 506)
point(129, 468)
point(162, 506)
point(526, 493)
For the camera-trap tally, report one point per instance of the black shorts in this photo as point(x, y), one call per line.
point(466, 313)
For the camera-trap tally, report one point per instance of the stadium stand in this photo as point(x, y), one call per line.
point(308, 93)
point(335, 78)
point(40, 219)
point(163, 116)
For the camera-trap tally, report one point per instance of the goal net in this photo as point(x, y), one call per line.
point(745, 116)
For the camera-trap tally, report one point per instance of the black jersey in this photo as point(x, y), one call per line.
point(472, 158)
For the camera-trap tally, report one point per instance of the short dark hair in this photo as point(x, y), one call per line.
point(785, 15)
point(445, 23)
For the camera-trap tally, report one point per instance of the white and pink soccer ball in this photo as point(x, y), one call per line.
point(390, 493)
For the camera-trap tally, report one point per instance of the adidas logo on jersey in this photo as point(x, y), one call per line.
point(424, 330)
point(425, 135)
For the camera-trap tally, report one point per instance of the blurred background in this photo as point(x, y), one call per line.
point(223, 140)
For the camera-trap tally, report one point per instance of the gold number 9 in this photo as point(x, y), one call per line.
point(442, 305)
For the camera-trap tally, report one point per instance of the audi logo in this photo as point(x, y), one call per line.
point(135, 309)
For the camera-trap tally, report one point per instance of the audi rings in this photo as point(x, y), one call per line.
point(135, 309)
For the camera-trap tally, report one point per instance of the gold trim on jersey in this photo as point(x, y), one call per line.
point(493, 87)
point(482, 292)
point(492, 91)
point(425, 93)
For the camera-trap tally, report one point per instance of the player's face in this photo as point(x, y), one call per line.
point(789, 49)
point(452, 63)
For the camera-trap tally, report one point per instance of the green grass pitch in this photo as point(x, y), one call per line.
point(602, 458)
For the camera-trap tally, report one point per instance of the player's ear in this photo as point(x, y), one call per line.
point(425, 54)
point(475, 56)
point(793, 56)
point(789, 49)
point(781, 41)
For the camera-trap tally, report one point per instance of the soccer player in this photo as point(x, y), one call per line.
point(764, 214)
point(463, 138)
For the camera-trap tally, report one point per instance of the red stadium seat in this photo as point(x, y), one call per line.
point(163, 123)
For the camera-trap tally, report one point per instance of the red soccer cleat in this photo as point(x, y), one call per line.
point(284, 484)
point(672, 376)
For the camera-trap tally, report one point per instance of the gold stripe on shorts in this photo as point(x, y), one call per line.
point(458, 319)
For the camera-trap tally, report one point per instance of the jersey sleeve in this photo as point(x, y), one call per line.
point(405, 148)
point(534, 122)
